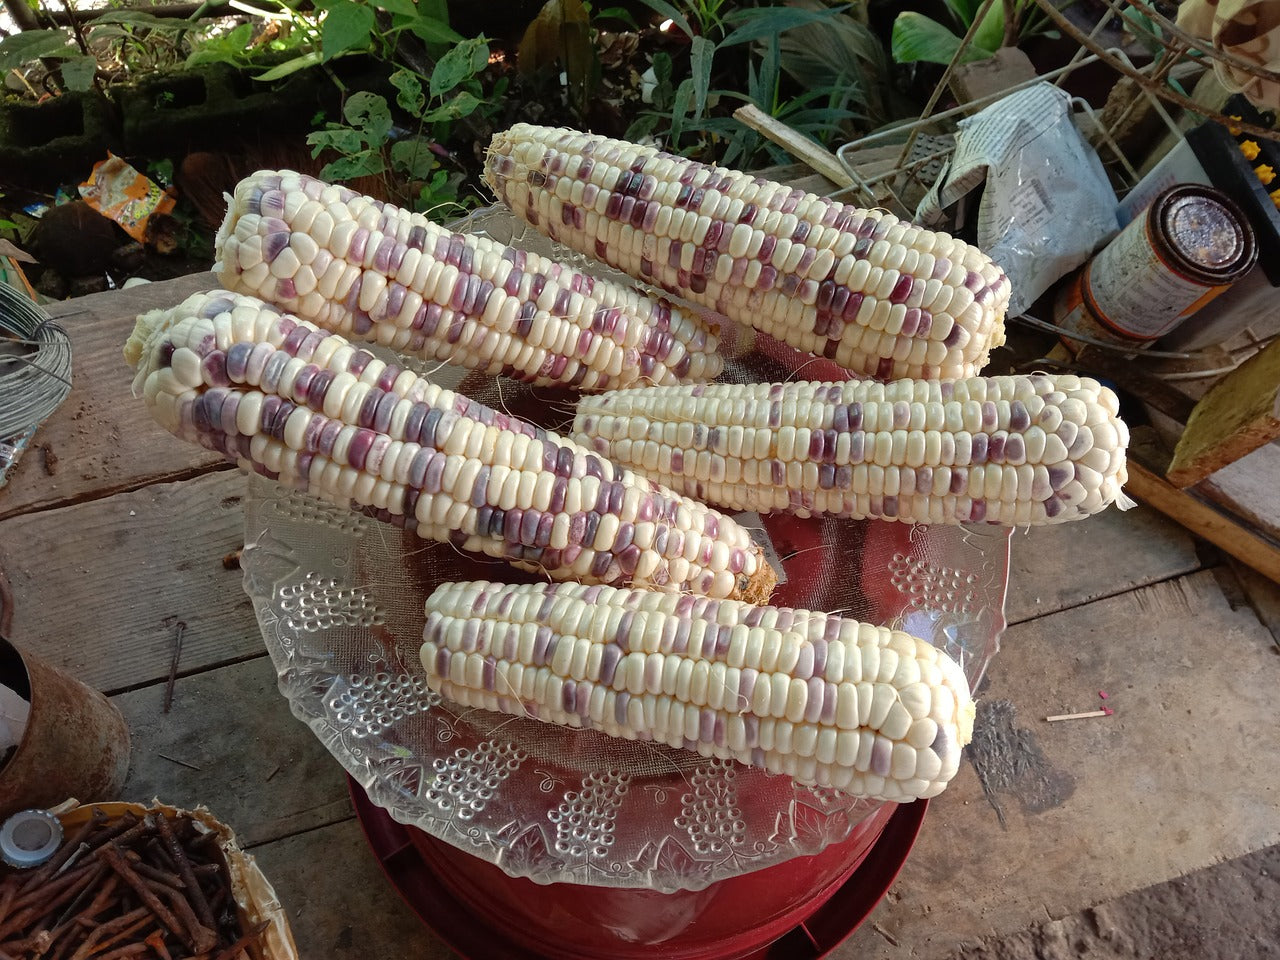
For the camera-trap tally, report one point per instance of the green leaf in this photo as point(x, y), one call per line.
point(990, 33)
point(22, 48)
point(78, 73)
point(461, 105)
point(965, 10)
point(413, 158)
point(662, 66)
point(348, 26)
point(136, 18)
point(680, 108)
point(760, 22)
point(643, 126)
point(433, 30)
point(916, 38)
point(367, 163)
point(701, 53)
point(342, 140)
point(670, 13)
point(457, 65)
point(403, 7)
point(369, 113)
point(409, 95)
point(292, 66)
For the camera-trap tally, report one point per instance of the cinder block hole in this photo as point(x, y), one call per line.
point(181, 91)
point(34, 126)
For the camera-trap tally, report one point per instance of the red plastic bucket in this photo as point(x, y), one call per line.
point(798, 910)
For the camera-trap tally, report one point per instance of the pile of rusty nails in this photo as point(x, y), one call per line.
point(136, 887)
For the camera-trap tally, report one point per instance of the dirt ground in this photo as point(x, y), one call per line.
point(1223, 912)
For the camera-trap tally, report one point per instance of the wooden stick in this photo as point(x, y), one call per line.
point(795, 143)
point(1078, 716)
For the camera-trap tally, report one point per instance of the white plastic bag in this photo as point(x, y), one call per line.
point(1047, 203)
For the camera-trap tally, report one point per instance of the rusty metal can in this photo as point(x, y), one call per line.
point(74, 743)
point(1187, 247)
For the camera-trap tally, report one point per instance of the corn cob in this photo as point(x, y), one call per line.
point(365, 269)
point(825, 699)
point(1013, 450)
point(878, 296)
point(305, 407)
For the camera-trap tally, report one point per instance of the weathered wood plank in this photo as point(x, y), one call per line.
point(1223, 531)
point(256, 766)
point(1052, 568)
point(101, 439)
point(1240, 414)
point(1172, 782)
point(98, 587)
point(1247, 488)
point(340, 904)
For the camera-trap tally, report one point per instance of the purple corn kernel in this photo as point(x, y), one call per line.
point(881, 754)
point(479, 491)
point(620, 708)
point(1052, 507)
point(358, 451)
point(978, 452)
point(237, 360)
point(431, 482)
point(973, 281)
point(977, 511)
point(815, 701)
point(600, 565)
point(214, 367)
point(511, 527)
point(852, 307)
point(959, 481)
point(313, 391)
point(541, 646)
point(273, 244)
point(542, 535)
point(996, 447)
point(1060, 474)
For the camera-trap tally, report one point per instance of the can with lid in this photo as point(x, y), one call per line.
point(1190, 245)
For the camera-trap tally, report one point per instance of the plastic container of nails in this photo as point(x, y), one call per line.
point(252, 898)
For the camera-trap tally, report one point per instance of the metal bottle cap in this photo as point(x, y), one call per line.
point(30, 838)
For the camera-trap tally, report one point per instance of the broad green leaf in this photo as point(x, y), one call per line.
point(78, 73)
point(413, 158)
point(433, 30)
point(369, 112)
point(701, 53)
point(916, 38)
point(342, 140)
point(670, 13)
point(31, 45)
point(461, 105)
point(292, 66)
point(965, 10)
point(403, 7)
point(347, 26)
point(760, 22)
point(364, 164)
point(409, 95)
point(457, 65)
point(990, 33)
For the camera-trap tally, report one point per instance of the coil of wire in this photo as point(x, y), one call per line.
point(35, 364)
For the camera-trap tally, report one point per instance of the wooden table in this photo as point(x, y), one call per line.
point(112, 532)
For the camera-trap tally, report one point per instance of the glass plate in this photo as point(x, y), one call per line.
point(339, 599)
